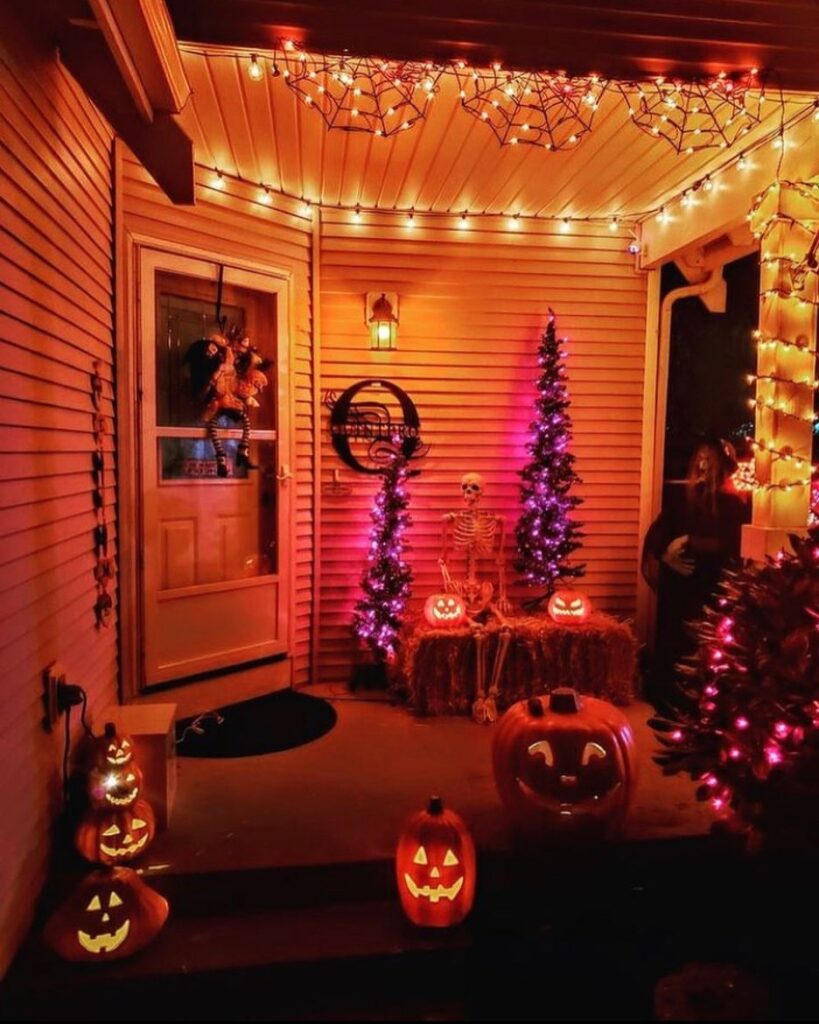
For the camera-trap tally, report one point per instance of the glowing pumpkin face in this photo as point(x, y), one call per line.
point(569, 606)
point(111, 914)
point(112, 788)
point(444, 611)
point(116, 836)
point(114, 750)
point(435, 868)
point(564, 766)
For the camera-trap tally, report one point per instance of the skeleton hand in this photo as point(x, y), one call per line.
point(504, 606)
point(674, 557)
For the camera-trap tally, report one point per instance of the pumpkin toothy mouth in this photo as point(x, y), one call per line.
point(124, 851)
point(566, 808)
point(434, 895)
point(446, 616)
point(118, 759)
point(105, 943)
point(123, 801)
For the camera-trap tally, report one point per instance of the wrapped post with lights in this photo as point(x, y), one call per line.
point(785, 220)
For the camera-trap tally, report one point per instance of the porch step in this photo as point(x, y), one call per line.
point(580, 933)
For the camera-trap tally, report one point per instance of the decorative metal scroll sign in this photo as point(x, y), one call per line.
point(369, 429)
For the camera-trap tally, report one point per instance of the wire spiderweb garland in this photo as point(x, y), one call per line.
point(362, 94)
point(530, 108)
point(699, 114)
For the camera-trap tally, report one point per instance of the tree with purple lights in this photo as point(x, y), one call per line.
point(546, 534)
point(746, 721)
point(386, 581)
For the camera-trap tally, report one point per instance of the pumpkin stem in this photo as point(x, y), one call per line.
point(535, 707)
point(435, 806)
point(565, 701)
point(110, 730)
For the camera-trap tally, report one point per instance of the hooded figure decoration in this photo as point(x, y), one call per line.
point(687, 547)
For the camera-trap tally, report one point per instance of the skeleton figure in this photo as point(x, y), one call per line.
point(479, 534)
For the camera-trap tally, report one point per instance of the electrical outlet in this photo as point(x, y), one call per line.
point(53, 678)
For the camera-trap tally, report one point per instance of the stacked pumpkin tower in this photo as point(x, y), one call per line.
point(118, 825)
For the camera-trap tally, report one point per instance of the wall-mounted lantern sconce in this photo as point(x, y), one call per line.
point(382, 319)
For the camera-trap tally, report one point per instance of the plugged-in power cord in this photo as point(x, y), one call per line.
point(69, 696)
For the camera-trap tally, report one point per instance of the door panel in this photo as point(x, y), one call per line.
point(214, 548)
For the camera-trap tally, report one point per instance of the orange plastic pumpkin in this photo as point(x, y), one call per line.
point(569, 606)
point(444, 611)
point(116, 836)
point(114, 788)
point(564, 766)
point(111, 914)
point(113, 749)
point(435, 867)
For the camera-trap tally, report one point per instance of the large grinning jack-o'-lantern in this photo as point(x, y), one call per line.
point(116, 836)
point(564, 766)
point(435, 867)
point(445, 611)
point(569, 606)
point(111, 914)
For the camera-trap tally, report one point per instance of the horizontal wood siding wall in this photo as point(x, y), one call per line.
point(234, 222)
point(55, 319)
point(473, 304)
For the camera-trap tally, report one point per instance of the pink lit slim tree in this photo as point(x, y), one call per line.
point(546, 533)
point(386, 581)
point(747, 721)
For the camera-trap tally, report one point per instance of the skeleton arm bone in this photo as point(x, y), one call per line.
point(446, 522)
point(500, 562)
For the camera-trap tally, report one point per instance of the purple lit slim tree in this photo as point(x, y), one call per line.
point(386, 582)
point(546, 534)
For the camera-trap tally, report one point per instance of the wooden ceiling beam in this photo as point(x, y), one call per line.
point(161, 144)
point(619, 39)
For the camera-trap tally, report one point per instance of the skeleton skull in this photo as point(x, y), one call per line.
point(472, 487)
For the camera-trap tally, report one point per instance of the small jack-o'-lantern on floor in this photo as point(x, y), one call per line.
point(114, 788)
point(435, 867)
point(564, 766)
point(116, 836)
point(111, 914)
point(113, 750)
point(445, 611)
point(569, 607)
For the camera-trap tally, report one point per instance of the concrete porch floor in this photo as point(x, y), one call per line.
point(344, 797)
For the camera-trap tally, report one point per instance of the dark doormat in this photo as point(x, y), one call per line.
point(263, 725)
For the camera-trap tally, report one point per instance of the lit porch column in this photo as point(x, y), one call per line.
point(785, 219)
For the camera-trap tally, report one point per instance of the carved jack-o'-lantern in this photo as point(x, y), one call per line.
point(569, 606)
point(444, 610)
point(564, 766)
point(435, 867)
point(113, 749)
point(116, 836)
point(114, 788)
point(111, 914)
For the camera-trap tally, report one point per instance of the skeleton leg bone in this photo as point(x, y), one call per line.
point(502, 650)
point(479, 704)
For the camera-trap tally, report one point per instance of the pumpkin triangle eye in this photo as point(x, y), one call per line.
point(125, 745)
point(94, 904)
point(130, 778)
point(114, 901)
point(592, 750)
point(112, 830)
point(544, 748)
point(577, 603)
point(420, 856)
point(560, 602)
point(450, 859)
point(137, 823)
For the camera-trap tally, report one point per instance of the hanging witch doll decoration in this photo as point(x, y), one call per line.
point(227, 373)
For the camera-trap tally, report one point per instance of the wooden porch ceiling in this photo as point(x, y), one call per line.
point(618, 38)
point(450, 162)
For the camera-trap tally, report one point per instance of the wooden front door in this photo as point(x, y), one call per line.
point(215, 551)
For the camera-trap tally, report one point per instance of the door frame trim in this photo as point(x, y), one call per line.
point(128, 434)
